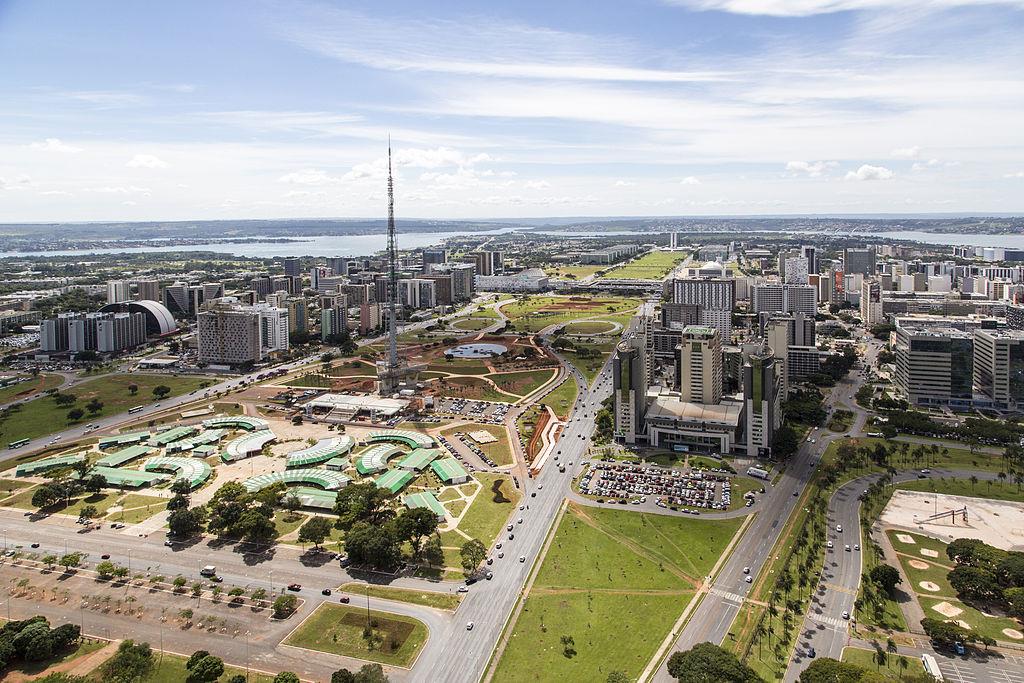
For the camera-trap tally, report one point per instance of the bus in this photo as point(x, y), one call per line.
point(17, 444)
point(931, 667)
point(136, 409)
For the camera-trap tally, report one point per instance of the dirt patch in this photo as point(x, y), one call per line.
point(947, 610)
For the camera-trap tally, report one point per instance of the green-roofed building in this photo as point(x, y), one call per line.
point(394, 480)
point(426, 500)
point(130, 479)
point(29, 469)
point(118, 458)
point(124, 439)
point(450, 471)
point(419, 459)
point(173, 434)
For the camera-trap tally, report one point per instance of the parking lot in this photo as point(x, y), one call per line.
point(479, 411)
point(629, 483)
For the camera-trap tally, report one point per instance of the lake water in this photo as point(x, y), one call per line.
point(322, 245)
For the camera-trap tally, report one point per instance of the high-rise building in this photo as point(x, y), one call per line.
point(715, 298)
point(699, 365)
point(629, 378)
point(762, 394)
point(463, 281)
point(118, 291)
point(999, 367)
point(871, 303)
point(859, 261)
point(148, 290)
point(293, 266)
point(934, 365)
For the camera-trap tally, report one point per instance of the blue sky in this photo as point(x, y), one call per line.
point(257, 109)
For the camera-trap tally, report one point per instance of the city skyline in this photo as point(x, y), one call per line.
point(518, 111)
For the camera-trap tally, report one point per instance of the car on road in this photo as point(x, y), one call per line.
point(294, 586)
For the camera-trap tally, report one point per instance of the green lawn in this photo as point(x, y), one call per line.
point(500, 451)
point(591, 365)
point(521, 383)
point(338, 629)
point(171, 669)
point(651, 266)
point(893, 662)
point(491, 508)
point(446, 601)
point(614, 582)
point(473, 388)
point(562, 399)
point(994, 490)
point(43, 416)
point(29, 386)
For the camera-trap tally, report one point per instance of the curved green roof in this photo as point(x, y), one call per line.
point(322, 451)
point(403, 436)
point(325, 479)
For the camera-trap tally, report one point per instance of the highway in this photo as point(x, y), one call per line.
point(721, 602)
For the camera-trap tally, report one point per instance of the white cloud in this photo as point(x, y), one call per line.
point(1018, 174)
point(55, 145)
point(537, 185)
point(905, 152)
point(624, 183)
point(814, 169)
point(22, 182)
point(690, 180)
point(309, 176)
point(804, 8)
point(146, 161)
point(869, 172)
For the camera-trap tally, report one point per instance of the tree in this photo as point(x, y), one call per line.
point(95, 483)
point(885, 576)
point(286, 677)
point(75, 414)
point(414, 525)
point(378, 546)
point(315, 531)
point(130, 663)
point(362, 503)
point(709, 662)
point(184, 523)
point(205, 669)
point(473, 552)
point(285, 606)
point(160, 391)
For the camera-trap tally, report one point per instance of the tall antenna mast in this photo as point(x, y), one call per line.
point(392, 275)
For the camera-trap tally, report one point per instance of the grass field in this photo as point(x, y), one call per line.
point(591, 366)
point(562, 399)
point(338, 629)
point(473, 388)
point(446, 601)
point(500, 451)
point(491, 508)
point(995, 490)
point(613, 582)
point(651, 266)
point(43, 416)
point(30, 386)
point(533, 313)
point(171, 669)
point(522, 383)
point(893, 666)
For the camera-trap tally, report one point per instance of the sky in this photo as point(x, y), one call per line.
point(279, 109)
